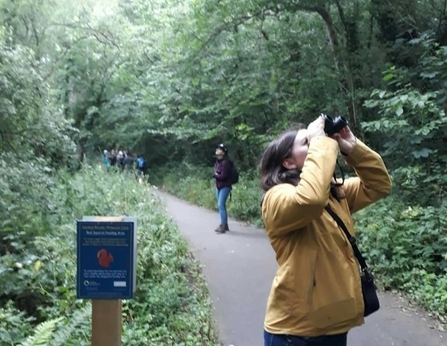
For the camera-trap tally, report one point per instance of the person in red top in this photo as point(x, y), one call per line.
point(222, 169)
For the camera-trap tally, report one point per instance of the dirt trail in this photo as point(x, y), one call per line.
point(240, 266)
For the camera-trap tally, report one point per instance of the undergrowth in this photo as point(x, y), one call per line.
point(406, 246)
point(195, 185)
point(38, 305)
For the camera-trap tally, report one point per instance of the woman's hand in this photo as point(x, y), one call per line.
point(316, 128)
point(346, 140)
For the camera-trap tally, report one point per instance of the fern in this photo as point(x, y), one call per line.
point(43, 333)
point(79, 317)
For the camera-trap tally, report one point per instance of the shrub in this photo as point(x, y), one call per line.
point(407, 247)
point(171, 305)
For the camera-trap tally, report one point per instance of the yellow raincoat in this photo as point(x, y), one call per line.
point(317, 289)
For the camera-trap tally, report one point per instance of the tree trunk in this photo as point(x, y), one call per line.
point(80, 152)
point(346, 84)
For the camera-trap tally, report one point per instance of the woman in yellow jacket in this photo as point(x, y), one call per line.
point(316, 295)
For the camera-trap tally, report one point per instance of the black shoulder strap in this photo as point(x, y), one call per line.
point(351, 239)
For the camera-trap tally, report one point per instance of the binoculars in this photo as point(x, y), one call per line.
point(332, 126)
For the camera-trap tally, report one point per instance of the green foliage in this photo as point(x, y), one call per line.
point(413, 124)
point(171, 301)
point(172, 79)
point(407, 248)
point(43, 333)
point(32, 127)
point(15, 326)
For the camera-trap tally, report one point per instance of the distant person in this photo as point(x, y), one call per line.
point(316, 296)
point(112, 157)
point(141, 166)
point(105, 158)
point(128, 161)
point(222, 175)
point(120, 159)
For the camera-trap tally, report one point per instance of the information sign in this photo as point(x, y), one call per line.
point(106, 258)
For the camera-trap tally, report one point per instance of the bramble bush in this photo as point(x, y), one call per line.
point(38, 305)
point(406, 246)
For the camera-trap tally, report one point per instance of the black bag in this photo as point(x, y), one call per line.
point(369, 289)
point(234, 174)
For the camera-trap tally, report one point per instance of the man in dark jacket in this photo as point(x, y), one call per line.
point(222, 170)
point(128, 161)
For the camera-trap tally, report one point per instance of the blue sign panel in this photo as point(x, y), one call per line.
point(106, 259)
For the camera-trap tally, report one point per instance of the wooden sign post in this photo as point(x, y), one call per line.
point(106, 322)
point(106, 272)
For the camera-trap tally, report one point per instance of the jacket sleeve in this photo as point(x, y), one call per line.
point(372, 182)
point(288, 208)
point(225, 171)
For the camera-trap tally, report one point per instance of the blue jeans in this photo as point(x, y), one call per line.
point(288, 340)
point(222, 195)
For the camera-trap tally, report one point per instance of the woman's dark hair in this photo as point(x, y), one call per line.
point(271, 166)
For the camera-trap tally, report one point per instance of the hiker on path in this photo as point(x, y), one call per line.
point(141, 166)
point(222, 170)
point(105, 158)
point(316, 296)
point(120, 159)
point(128, 161)
point(112, 157)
